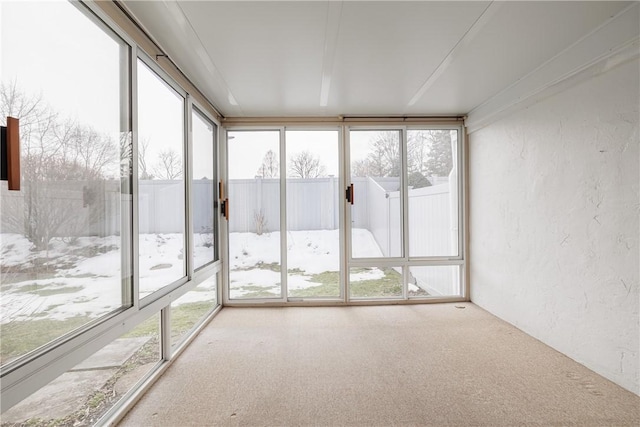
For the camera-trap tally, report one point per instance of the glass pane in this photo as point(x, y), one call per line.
point(376, 218)
point(64, 237)
point(254, 220)
point(313, 222)
point(434, 281)
point(191, 308)
point(375, 282)
point(80, 396)
point(433, 192)
point(204, 191)
point(161, 200)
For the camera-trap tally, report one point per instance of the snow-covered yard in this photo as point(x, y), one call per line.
point(82, 277)
point(313, 262)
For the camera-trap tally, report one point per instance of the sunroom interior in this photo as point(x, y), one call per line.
point(177, 158)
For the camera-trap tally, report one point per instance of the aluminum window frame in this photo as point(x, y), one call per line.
point(164, 78)
point(195, 109)
point(40, 352)
point(347, 173)
point(227, 300)
point(406, 261)
point(460, 143)
point(346, 260)
point(341, 207)
point(36, 369)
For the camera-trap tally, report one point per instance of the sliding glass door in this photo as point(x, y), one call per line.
point(404, 213)
point(253, 189)
point(313, 214)
point(390, 231)
point(375, 201)
point(305, 261)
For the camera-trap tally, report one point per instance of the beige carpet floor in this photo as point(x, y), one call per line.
point(437, 365)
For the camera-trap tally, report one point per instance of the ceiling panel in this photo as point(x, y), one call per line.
point(270, 53)
point(331, 58)
point(520, 37)
point(387, 50)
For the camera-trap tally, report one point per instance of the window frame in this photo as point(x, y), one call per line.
point(25, 375)
point(165, 79)
point(347, 261)
point(126, 250)
point(194, 108)
point(406, 261)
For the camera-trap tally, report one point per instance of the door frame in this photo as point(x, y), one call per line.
point(406, 261)
point(346, 260)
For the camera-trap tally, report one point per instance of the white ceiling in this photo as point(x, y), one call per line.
point(330, 58)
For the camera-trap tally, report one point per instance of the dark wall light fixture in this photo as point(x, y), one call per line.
point(10, 154)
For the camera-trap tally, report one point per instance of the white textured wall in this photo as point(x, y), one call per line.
point(554, 222)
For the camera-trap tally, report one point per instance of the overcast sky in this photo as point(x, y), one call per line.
point(68, 60)
point(248, 148)
point(73, 65)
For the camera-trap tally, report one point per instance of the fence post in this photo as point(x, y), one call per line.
point(332, 182)
point(453, 197)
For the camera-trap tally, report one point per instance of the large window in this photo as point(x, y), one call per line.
point(376, 171)
point(433, 192)
point(72, 256)
point(313, 214)
point(161, 201)
point(254, 214)
point(189, 310)
point(64, 237)
point(404, 213)
point(83, 394)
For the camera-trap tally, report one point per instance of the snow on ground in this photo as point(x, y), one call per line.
point(161, 261)
point(248, 249)
point(83, 277)
point(364, 244)
point(88, 284)
point(15, 249)
point(313, 251)
point(309, 252)
point(368, 274)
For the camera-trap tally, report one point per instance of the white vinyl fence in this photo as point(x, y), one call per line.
point(433, 230)
point(312, 204)
point(255, 206)
point(93, 208)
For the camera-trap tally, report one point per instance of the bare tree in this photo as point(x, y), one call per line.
point(440, 161)
point(428, 154)
point(270, 167)
point(417, 151)
point(53, 153)
point(30, 110)
point(417, 155)
point(360, 168)
point(169, 165)
point(305, 165)
point(384, 158)
point(143, 169)
point(386, 154)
